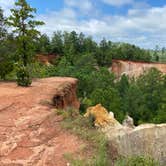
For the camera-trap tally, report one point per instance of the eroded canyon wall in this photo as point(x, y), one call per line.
point(134, 68)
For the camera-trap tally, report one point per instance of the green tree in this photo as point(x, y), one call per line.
point(160, 116)
point(123, 85)
point(81, 46)
point(57, 46)
point(156, 53)
point(110, 99)
point(163, 54)
point(151, 84)
point(73, 37)
point(132, 103)
point(43, 45)
point(103, 56)
point(6, 48)
point(23, 23)
point(90, 45)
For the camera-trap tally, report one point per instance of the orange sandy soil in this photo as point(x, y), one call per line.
point(30, 133)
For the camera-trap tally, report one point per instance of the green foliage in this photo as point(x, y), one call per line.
point(6, 49)
point(23, 76)
point(129, 52)
point(38, 70)
point(96, 140)
point(6, 66)
point(137, 161)
point(161, 112)
point(131, 103)
point(56, 43)
point(103, 55)
point(72, 45)
point(22, 20)
point(110, 99)
point(23, 23)
point(42, 45)
point(144, 98)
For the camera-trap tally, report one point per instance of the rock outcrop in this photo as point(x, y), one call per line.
point(47, 59)
point(66, 96)
point(134, 69)
point(127, 140)
point(30, 133)
point(147, 139)
point(101, 116)
point(128, 122)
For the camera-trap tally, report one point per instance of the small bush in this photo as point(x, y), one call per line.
point(23, 77)
point(137, 161)
point(69, 113)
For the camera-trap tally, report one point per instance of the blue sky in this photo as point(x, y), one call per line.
point(140, 22)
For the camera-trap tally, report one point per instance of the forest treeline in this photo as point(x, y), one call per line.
point(81, 57)
point(63, 43)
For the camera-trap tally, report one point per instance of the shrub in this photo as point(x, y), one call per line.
point(23, 77)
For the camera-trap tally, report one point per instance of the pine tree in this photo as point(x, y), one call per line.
point(23, 23)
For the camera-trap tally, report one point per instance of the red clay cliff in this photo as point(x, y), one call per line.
point(134, 68)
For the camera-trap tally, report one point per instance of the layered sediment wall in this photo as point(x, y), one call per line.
point(134, 68)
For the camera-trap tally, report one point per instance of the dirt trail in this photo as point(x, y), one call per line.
point(30, 133)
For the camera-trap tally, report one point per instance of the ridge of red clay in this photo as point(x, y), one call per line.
point(137, 61)
point(134, 68)
point(30, 133)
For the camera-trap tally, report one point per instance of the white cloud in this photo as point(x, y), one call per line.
point(6, 5)
point(118, 2)
point(145, 28)
point(85, 5)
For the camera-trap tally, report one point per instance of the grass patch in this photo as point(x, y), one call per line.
point(137, 161)
point(94, 153)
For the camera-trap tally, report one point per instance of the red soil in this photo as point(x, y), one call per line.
point(30, 132)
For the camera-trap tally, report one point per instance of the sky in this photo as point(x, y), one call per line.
point(140, 22)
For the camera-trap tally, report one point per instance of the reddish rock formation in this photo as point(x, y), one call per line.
point(46, 59)
point(30, 133)
point(132, 68)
